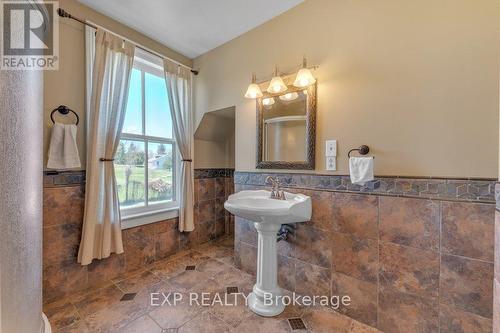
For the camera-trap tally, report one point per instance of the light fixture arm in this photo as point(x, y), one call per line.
point(267, 79)
point(303, 78)
point(276, 72)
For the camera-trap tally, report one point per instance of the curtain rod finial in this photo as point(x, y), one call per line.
point(61, 12)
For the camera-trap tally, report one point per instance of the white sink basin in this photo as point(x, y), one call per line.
point(257, 206)
point(268, 214)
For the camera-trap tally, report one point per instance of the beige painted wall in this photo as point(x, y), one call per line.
point(213, 154)
point(214, 140)
point(67, 85)
point(417, 81)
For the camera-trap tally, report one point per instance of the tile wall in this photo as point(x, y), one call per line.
point(415, 255)
point(63, 205)
point(496, 283)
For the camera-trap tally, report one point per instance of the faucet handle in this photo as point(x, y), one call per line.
point(276, 191)
point(274, 188)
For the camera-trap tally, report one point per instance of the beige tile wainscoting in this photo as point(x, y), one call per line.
point(414, 255)
point(496, 282)
point(63, 205)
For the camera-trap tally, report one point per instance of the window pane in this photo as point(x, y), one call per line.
point(129, 172)
point(133, 115)
point(158, 119)
point(160, 166)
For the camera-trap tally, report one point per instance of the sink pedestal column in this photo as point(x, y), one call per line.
point(265, 300)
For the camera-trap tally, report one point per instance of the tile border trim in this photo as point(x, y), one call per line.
point(213, 173)
point(63, 178)
point(452, 189)
point(497, 196)
point(75, 178)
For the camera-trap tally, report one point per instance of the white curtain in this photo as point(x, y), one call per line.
point(89, 67)
point(178, 80)
point(113, 62)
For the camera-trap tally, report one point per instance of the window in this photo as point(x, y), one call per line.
point(146, 160)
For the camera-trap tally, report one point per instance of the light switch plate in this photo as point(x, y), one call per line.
point(331, 163)
point(331, 148)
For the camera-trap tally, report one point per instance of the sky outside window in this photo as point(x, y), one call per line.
point(133, 114)
point(158, 119)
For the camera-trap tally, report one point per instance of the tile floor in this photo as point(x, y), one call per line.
point(124, 304)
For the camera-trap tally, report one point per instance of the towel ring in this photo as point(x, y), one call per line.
point(63, 109)
point(362, 150)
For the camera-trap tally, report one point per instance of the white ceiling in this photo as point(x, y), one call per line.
point(191, 27)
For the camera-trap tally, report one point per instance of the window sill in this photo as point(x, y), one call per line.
point(137, 220)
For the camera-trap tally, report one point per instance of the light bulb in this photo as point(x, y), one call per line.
point(304, 76)
point(289, 96)
point(277, 85)
point(253, 90)
point(268, 101)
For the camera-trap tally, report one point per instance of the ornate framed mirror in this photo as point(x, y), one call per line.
point(286, 129)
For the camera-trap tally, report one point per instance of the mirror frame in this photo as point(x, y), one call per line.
point(309, 162)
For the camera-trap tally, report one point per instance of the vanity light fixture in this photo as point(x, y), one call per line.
point(268, 101)
point(277, 85)
point(304, 77)
point(253, 90)
point(289, 96)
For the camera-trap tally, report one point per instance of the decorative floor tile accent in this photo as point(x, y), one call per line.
point(170, 330)
point(190, 268)
point(232, 290)
point(296, 324)
point(128, 297)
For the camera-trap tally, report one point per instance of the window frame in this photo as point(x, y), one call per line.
point(146, 63)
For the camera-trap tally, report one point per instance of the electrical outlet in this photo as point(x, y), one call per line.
point(331, 148)
point(331, 163)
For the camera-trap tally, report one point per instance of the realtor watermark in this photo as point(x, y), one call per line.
point(335, 302)
point(30, 35)
point(224, 299)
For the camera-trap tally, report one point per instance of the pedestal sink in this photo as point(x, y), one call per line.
point(268, 214)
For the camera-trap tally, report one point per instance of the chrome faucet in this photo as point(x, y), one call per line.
point(276, 191)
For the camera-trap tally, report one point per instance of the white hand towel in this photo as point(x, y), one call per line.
point(361, 170)
point(63, 151)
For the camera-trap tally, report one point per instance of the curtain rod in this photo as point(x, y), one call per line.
point(62, 13)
